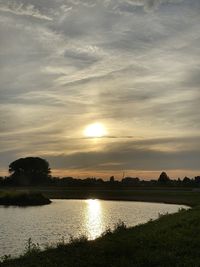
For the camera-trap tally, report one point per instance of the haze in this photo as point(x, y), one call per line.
point(129, 65)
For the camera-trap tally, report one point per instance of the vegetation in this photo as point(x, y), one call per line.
point(187, 196)
point(164, 178)
point(29, 171)
point(172, 240)
point(23, 199)
point(35, 171)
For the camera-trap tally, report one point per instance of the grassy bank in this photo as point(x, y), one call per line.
point(170, 241)
point(23, 199)
point(163, 194)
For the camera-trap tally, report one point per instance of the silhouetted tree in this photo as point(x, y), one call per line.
point(29, 171)
point(163, 178)
point(130, 181)
point(186, 180)
point(112, 179)
point(1, 180)
point(197, 179)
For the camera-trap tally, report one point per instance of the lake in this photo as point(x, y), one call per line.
point(64, 218)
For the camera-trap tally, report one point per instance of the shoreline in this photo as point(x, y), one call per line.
point(54, 256)
point(117, 223)
point(124, 200)
point(155, 195)
point(140, 238)
point(23, 199)
point(154, 243)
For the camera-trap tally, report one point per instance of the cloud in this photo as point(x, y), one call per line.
point(149, 5)
point(67, 64)
point(134, 155)
point(80, 59)
point(21, 9)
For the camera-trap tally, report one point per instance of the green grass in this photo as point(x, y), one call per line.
point(22, 199)
point(170, 241)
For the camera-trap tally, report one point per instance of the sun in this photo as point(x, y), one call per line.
point(95, 130)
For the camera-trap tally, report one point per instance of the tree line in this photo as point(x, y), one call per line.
point(35, 171)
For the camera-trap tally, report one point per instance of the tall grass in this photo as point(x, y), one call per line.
point(170, 241)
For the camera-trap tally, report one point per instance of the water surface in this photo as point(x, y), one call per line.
point(64, 218)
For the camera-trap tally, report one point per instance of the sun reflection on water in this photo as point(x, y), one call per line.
point(94, 223)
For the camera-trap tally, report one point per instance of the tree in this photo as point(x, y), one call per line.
point(163, 178)
point(112, 179)
point(1, 180)
point(186, 180)
point(130, 181)
point(29, 171)
point(197, 179)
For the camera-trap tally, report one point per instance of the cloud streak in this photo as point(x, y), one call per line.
point(22, 10)
point(150, 5)
point(131, 65)
point(135, 155)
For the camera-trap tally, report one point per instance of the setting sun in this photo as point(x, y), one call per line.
point(95, 130)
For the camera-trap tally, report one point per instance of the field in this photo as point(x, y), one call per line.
point(187, 196)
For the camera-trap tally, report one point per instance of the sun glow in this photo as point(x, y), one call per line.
point(94, 220)
point(95, 130)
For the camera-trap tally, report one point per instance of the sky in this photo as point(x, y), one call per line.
point(132, 66)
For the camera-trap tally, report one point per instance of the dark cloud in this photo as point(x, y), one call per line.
point(81, 60)
point(130, 155)
point(131, 64)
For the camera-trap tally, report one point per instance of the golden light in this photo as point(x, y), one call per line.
point(94, 220)
point(93, 205)
point(95, 130)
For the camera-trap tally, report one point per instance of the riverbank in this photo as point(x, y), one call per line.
point(185, 196)
point(23, 199)
point(171, 240)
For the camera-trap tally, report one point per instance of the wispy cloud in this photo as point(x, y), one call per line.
point(21, 9)
point(67, 64)
point(135, 155)
point(152, 4)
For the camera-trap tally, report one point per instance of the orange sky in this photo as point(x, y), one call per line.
point(129, 67)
